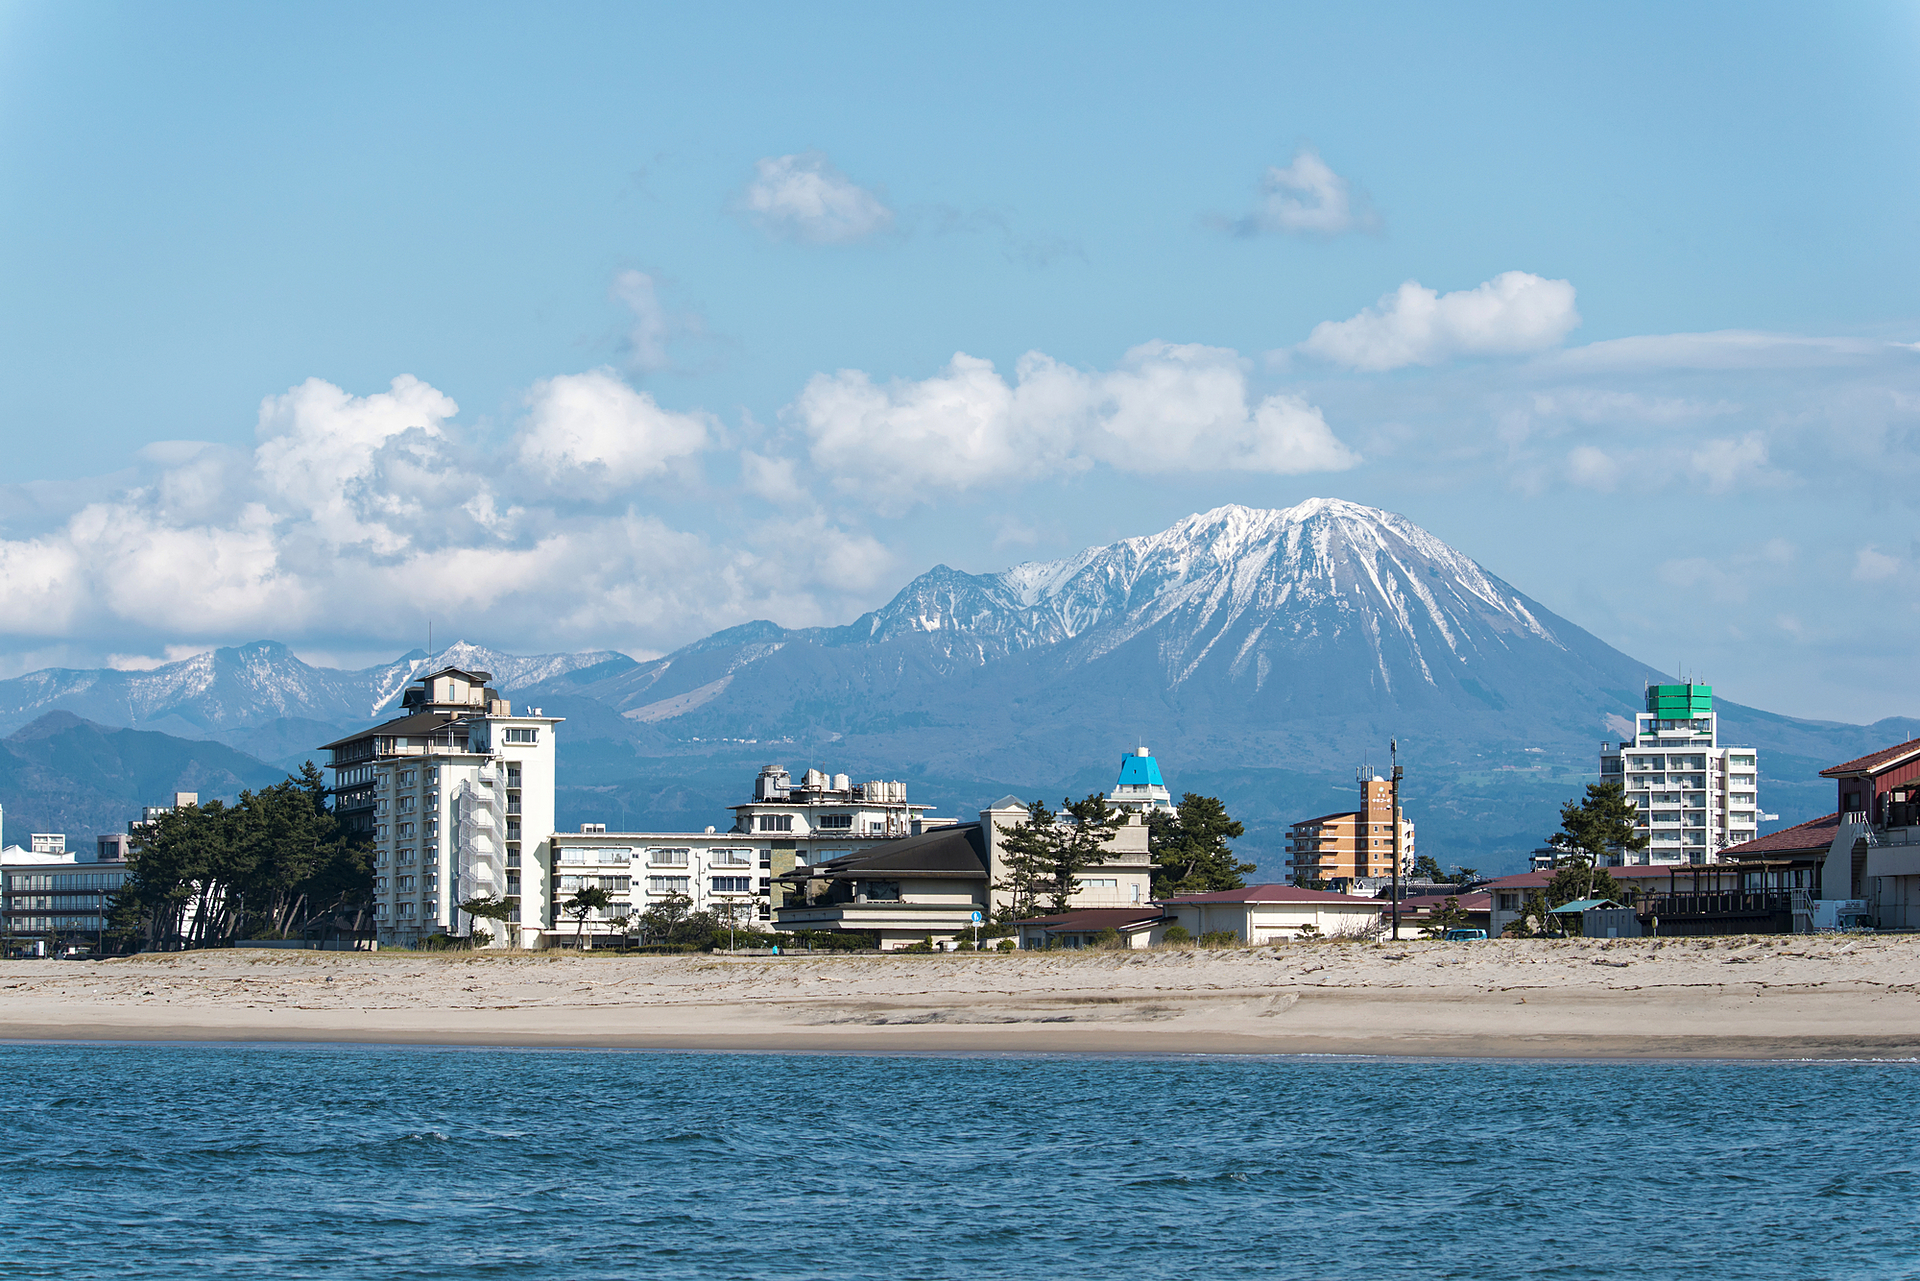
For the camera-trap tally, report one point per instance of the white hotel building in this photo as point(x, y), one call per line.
point(733, 873)
point(1694, 796)
point(457, 795)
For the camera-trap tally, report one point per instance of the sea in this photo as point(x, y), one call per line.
point(349, 1161)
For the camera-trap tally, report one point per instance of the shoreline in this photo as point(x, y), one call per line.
point(1781, 998)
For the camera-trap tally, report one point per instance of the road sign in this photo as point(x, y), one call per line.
point(976, 918)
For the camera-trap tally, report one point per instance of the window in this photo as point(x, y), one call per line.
point(518, 734)
point(667, 858)
point(404, 830)
point(733, 858)
point(732, 884)
point(766, 885)
point(406, 882)
point(1100, 883)
point(881, 891)
point(835, 822)
point(776, 822)
point(669, 884)
point(404, 856)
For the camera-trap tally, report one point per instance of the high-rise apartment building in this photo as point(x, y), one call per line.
point(457, 796)
point(1694, 796)
point(1352, 846)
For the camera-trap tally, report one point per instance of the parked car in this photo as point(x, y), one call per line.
point(1463, 936)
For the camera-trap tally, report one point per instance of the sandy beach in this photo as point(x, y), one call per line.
point(1771, 997)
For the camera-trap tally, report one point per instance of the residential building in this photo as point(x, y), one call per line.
point(1139, 789)
point(736, 873)
point(1136, 928)
point(456, 795)
point(1124, 878)
point(1694, 796)
point(1755, 895)
point(1342, 849)
point(1268, 913)
point(929, 886)
point(57, 899)
point(1874, 858)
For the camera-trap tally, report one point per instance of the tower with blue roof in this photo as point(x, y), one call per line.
point(1140, 789)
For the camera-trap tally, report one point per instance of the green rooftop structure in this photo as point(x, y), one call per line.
point(1695, 797)
point(1679, 702)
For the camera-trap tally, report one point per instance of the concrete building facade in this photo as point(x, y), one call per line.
point(456, 796)
point(1340, 849)
point(1695, 797)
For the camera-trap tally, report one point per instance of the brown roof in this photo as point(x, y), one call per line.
point(1271, 894)
point(1814, 834)
point(1098, 918)
point(414, 724)
point(1875, 762)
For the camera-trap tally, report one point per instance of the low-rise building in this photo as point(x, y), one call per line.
point(1267, 913)
point(927, 887)
point(1133, 928)
point(56, 899)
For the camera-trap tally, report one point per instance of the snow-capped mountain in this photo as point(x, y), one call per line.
point(248, 686)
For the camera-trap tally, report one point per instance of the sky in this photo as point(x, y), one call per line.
point(609, 326)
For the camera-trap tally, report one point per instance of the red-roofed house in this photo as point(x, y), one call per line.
point(1263, 913)
point(1874, 857)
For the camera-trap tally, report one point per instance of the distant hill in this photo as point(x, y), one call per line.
point(1264, 655)
point(65, 774)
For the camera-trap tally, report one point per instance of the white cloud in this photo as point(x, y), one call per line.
point(1593, 468)
point(355, 517)
point(1870, 565)
point(592, 428)
point(806, 198)
point(1166, 407)
point(647, 336)
point(1305, 197)
point(1725, 463)
point(1514, 312)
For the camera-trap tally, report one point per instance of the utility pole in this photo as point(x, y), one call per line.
point(1393, 746)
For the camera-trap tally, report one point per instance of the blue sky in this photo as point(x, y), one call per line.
point(678, 299)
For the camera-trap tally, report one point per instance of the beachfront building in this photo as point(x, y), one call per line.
point(56, 900)
point(1140, 789)
point(1124, 878)
point(1872, 863)
point(1133, 929)
point(1268, 913)
point(456, 795)
point(1694, 796)
point(737, 874)
point(932, 886)
point(1357, 845)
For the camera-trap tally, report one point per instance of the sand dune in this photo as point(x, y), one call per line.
point(1748, 997)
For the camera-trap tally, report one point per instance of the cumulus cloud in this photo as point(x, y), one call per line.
point(1165, 407)
point(592, 428)
point(1305, 197)
point(354, 516)
point(804, 197)
point(1515, 312)
point(1593, 468)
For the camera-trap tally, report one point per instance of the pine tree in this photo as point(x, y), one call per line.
point(1191, 851)
point(1601, 823)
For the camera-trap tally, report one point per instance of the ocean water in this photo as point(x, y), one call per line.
point(358, 1161)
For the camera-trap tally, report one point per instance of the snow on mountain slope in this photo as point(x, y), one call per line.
point(1325, 570)
point(250, 685)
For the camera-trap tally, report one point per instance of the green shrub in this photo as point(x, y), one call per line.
point(1004, 945)
point(1176, 934)
point(1109, 940)
point(965, 945)
point(1219, 938)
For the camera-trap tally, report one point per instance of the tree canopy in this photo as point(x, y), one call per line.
point(273, 864)
point(1600, 823)
point(1191, 848)
point(1045, 855)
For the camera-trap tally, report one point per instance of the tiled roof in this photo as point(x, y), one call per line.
point(1814, 834)
point(1098, 918)
point(1271, 894)
point(1874, 762)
